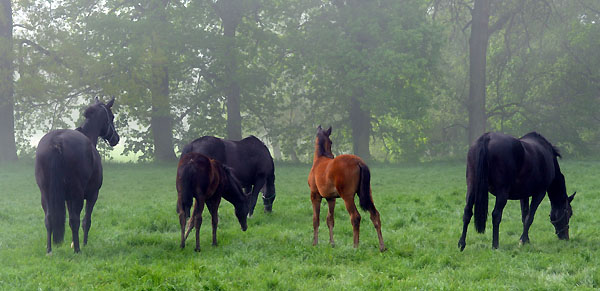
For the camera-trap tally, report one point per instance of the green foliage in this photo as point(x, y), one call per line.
point(134, 238)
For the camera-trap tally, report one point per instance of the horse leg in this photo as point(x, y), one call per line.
point(87, 218)
point(467, 215)
point(535, 202)
point(75, 206)
point(330, 222)
point(377, 223)
point(213, 207)
point(501, 200)
point(315, 197)
point(354, 217)
point(524, 209)
point(259, 183)
point(48, 225)
point(198, 208)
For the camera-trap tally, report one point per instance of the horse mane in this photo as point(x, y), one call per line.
point(543, 140)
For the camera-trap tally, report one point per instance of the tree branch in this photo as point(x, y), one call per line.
point(41, 49)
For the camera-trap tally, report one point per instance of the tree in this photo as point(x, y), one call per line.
point(8, 150)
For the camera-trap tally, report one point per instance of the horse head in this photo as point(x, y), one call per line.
point(560, 218)
point(323, 143)
point(100, 116)
point(241, 203)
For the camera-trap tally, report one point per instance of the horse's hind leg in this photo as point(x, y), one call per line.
point(330, 222)
point(377, 223)
point(354, 217)
point(48, 226)
point(501, 200)
point(75, 206)
point(213, 208)
point(198, 208)
point(316, 198)
point(87, 218)
point(524, 209)
point(535, 202)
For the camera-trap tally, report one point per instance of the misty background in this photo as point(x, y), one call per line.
point(398, 80)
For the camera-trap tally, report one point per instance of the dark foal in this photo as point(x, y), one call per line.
point(250, 160)
point(68, 169)
point(206, 180)
point(515, 169)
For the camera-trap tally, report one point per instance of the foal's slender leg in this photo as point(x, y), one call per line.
point(75, 206)
point(213, 207)
point(501, 200)
point(377, 223)
point(316, 198)
point(354, 217)
point(535, 202)
point(198, 208)
point(330, 222)
point(87, 219)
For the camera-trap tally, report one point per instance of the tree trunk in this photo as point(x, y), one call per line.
point(478, 43)
point(230, 14)
point(161, 121)
point(360, 122)
point(8, 149)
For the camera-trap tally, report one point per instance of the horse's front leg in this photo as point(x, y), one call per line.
point(497, 217)
point(258, 185)
point(316, 198)
point(535, 202)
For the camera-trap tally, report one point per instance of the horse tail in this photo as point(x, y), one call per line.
point(56, 199)
point(480, 183)
point(187, 184)
point(364, 188)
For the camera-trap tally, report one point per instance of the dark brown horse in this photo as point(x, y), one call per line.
point(68, 169)
point(342, 176)
point(207, 180)
point(515, 169)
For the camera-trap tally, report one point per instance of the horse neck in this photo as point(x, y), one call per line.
point(90, 130)
point(557, 192)
point(318, 157)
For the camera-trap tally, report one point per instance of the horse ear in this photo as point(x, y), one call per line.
point(97, 100)
point(328, 131)
point(111, 102)
point(571, 197)
point(319, 127)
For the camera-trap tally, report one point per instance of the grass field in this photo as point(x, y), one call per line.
point(134, 239)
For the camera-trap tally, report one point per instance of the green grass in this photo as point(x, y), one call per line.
point(134, 240)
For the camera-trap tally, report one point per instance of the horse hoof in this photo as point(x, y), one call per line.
point(72, 245)
point(197, 250)
point(383, 249)
point(49, 254)
point(461, 245)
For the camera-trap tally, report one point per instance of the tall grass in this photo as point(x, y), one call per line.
point(134, 239)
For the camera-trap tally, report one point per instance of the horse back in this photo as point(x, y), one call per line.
point(330, 176)
point(82, 166)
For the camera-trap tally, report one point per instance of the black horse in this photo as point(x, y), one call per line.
point(515, 169)
point(250, 160)
point(207, 180)
point(68, 169)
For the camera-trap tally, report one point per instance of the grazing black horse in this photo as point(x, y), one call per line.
point(207, 180)
point(250, 160)
point(68, 169)
point(515, 169)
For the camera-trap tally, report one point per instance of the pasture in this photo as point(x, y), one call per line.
point(134, 238)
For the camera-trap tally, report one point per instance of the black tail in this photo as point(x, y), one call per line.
point(56, 199)
point(480, 183)
point(187, 180)
point(364, 188)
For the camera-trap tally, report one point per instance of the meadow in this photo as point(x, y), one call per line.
point(134, 239)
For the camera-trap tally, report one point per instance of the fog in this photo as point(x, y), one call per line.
point(398, 81)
